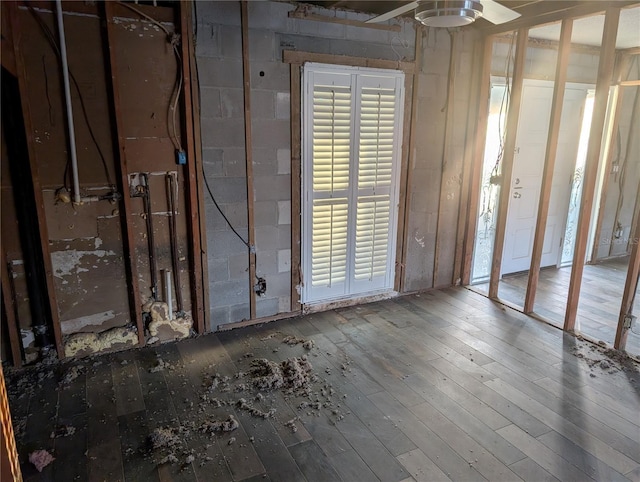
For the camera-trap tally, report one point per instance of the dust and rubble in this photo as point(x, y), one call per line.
point(63, 431)
point(602, 359)
point(292, 340)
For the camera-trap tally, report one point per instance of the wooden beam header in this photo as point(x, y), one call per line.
point(299, 57)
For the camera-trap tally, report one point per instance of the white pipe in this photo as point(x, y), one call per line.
point(168, 290)
point(67, 97)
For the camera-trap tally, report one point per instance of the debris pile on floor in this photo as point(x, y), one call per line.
point(601, 358)
point(63, 431)
point(292, 340)
point(40, 459)
point(213, 426)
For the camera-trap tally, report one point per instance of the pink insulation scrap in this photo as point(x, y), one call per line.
point(40, 459)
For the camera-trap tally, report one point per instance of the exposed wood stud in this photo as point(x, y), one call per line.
point(195, 106)
point(562, 63)
point(192, 169)
point(299, 57)
point(605, 71)
point(621, 66)
point(630, 287)
point(303, 15)
point(629, 83)
point(296, 156)
point(8, 302)
point(246, 75)
point(23, 85)
point(408, 158)
point(120, 154)
point(478, 126)
point(511, 132)
point(445, 161)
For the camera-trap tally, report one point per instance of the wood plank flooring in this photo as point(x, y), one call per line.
point(445, 385)
point(599, 304)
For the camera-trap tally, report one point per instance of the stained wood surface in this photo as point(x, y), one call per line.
point(445, 385)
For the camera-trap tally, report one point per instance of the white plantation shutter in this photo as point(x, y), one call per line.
point(351, 133)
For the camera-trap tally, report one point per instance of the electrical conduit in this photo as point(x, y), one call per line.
point(67, 96)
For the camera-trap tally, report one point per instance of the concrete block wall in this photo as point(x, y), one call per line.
point(271, 31)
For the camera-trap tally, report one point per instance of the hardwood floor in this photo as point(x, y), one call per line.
point(440, 386)
point(599, 304)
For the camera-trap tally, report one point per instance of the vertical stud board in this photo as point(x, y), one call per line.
point(507, 160)
point(549, 162)
point(296, 132)
point(605, 71)
point(123, 182)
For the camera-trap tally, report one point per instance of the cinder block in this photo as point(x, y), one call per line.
point(266, 307)
point(228, 293)
point(236, 213)
point(266, 263)
point(267, 238)
point(279, 285)
point(284, 161)
point(212, 162)
point(229, 189)
point(319, 29)
point(284, 236)
point(271, 133)
point(232, 103)
point(239, 312)
point(270, 15)
point(231, 41)
point(208, 44)
point(222, 133)
point(272, 188)
point(263, 104)
point(270, 76)
point(283, 105)
point(284, 304)
point(234, 162)
point(218, 269)
point(265, 213)
point(224, 243)
point(264, 161)
point(214, 219)
point(219, 316)
point(239, 266)
point(284, 212)
point(220, 73)
point(226, 13)
point(284, 260)
point(261, 45)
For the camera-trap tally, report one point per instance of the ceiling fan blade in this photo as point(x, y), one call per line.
point(393, 13)
point(496, 13)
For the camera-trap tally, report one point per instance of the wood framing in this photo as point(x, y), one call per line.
point(23, 84)
point(477, 125)
point(191, 177)
point(298, 57)
point(562, 63)
point(629, 83)
point(511, 132)
point(630, 287)
point(444, 163)
point(296, 180)
point(10, 311)
point(120, 154)
point(408, 156)
point(302, 14)
point(621, 66)
point(246, 76)
point(197, 140)
point(605, 72)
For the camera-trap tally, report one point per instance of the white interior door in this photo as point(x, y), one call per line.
point(352, 131)
point(528, 168)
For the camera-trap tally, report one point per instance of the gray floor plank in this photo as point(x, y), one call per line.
point(313, 462)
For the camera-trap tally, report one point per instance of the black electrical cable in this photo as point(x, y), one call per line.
point(52, 42)
point(204, 176)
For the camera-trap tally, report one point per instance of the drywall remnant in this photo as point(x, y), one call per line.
point(75, 325)
point(65, 263)
point(83, 344)
point(40, 459)
point(163, 327)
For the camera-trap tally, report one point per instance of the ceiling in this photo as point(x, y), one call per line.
point(586, 31)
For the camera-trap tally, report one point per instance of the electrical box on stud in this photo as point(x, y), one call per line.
point(181, 157)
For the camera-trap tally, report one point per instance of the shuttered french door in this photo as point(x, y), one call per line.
point(352, 130)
